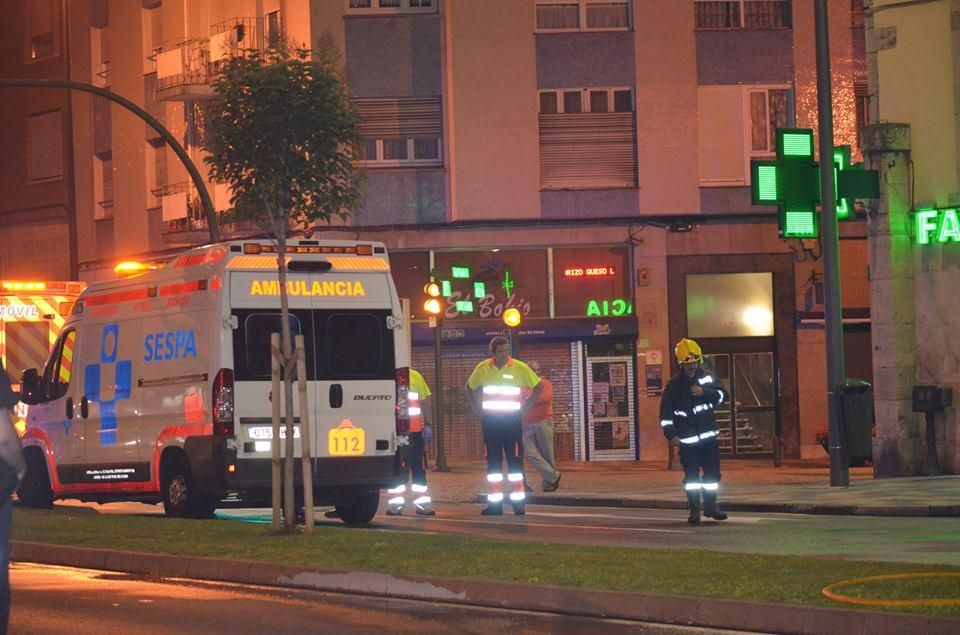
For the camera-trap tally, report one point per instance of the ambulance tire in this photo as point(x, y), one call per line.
point(35, 490)
point(357, 506)
point(180, 496)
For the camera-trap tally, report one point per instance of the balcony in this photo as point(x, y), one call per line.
point(187, 67)
point(183, 70)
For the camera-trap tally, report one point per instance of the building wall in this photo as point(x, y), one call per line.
point(917, 78)
point(34, 213)
point(487, 62)
point(493, 115)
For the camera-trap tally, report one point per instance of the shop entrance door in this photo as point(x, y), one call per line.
point(748, 420)
point(611, 432)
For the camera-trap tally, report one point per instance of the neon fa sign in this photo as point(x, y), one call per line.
point(937, 226)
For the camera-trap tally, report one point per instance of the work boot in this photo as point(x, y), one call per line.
point(710, 507)
point(425, 510)
point(492, 510)
point(519, 509)
point(693, 498)
point(395, 510)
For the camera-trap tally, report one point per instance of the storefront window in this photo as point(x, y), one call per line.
point(483, 284)
point(411, 271)
point(592, 282)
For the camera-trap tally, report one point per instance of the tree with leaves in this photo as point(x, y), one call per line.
point(281, 135)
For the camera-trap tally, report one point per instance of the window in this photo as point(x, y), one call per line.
point(862, 97)
point(582, 15)
point(152, 38)
point(58, 370)
point(742, 14)
point(99, 58)
point(355, 344)
point(45, 143)
point(736, 124)
point(399, 132)
point(387, 7)
point(257, 328)
point(587, 138)
point(41, 31)
point(103, 185)
point(156, 168)
point(582, 100)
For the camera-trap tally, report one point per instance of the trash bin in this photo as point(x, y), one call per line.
point(856, 418)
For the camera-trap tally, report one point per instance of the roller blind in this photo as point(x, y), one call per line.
point(588, 150)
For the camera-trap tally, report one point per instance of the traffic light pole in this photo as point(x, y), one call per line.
point(438, 399)
point(833, 309)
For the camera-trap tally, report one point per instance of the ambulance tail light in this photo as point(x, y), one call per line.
point(223, 402)
point(403, 401)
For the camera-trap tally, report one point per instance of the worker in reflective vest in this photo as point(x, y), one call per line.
point(686, 415)
point(495, 394)
point(413, 461)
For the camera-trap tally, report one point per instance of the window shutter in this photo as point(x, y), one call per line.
point(588, 150)
point(46, 146)
point(108, 180)
point(398, 118)
point(721, 135)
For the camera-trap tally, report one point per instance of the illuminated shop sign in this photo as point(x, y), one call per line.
point(937, 226)
point(617, 307)
point(589, 272)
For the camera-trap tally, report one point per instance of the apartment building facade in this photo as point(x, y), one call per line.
point(585, 161)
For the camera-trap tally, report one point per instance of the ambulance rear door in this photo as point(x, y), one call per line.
point(355, 364)
point(255, 313)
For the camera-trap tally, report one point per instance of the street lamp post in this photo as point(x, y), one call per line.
point(833, 310)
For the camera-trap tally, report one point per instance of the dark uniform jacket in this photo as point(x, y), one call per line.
point(689, 417)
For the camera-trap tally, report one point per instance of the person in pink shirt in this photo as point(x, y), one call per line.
point(538, 434)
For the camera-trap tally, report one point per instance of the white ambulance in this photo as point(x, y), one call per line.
point(159, 385)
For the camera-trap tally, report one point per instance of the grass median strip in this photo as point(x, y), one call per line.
point(764, 578)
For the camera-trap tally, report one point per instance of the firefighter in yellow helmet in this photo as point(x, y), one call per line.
point(686, 414)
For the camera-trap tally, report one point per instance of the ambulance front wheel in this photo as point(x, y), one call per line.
point(181, 499)
point(357, 506)
point(35, 490)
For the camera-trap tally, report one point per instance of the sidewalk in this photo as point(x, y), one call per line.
point(746, 485)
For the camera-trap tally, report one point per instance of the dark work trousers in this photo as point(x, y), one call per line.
point(503, 435)
point(705, 456)
point(413, 463)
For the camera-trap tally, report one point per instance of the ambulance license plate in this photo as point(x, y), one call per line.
point(346, 440)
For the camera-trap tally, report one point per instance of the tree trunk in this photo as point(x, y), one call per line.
point(289, 365)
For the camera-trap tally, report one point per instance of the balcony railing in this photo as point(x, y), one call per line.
point(183, 69)
point(186, 67)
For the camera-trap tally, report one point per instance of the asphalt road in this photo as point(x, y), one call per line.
point(919, 540)
point(55, 600)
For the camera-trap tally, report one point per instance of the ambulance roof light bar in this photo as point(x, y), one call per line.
point(16, 285)
point(129, 268)
point(359, 250)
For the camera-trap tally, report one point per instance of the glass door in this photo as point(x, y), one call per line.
point(748, 420)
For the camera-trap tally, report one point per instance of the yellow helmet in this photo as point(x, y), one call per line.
point(687, 351)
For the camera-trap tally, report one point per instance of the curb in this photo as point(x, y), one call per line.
point(951, 511)
point(687, 611)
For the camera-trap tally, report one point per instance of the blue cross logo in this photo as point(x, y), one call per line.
point(109, 343)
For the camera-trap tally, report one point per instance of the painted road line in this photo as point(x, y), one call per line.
point(733, 518)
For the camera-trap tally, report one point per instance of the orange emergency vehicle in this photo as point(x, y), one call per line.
point(31, 316)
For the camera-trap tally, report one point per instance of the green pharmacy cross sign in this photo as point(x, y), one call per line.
point(792, 183)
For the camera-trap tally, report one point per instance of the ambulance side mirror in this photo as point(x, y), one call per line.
point(30, 386)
